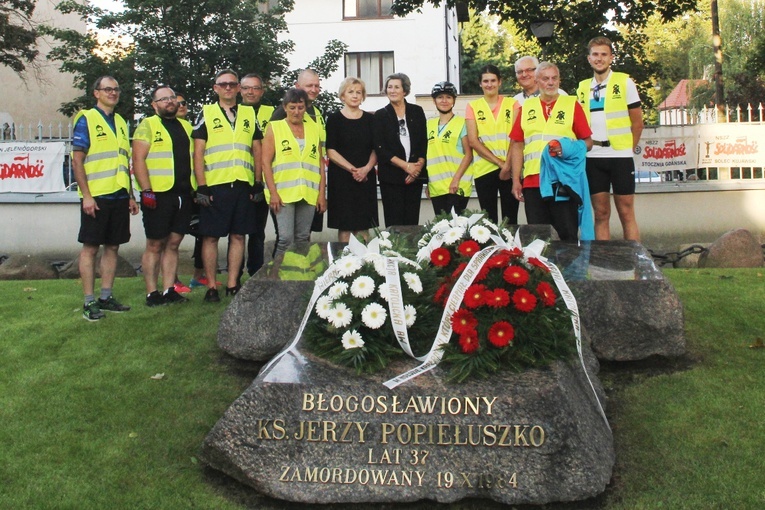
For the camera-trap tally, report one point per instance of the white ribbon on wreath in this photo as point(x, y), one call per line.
point(533, 250)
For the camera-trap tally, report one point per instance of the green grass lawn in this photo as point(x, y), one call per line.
point(84, 425)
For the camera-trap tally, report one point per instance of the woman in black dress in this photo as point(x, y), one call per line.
point(401, 144)
point(352, 183)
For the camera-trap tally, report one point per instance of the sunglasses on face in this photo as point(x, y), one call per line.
point(227, 84)
point(181, 103)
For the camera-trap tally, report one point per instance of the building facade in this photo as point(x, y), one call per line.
point(44, 87)
point(424, 46)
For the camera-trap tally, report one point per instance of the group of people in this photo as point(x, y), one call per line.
point(242, 159)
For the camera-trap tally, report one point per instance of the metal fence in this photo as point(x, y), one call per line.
point(710, 115)
point(44, 132)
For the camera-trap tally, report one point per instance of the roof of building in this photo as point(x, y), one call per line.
point(680, 95)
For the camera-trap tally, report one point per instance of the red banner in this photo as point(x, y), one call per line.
point(29, 167)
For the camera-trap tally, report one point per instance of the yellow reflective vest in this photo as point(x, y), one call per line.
point(494, 133)
point(228, 152)
point(444, 157)
point(537, 132)
point(264, 116)
point(159, 160)
point(618, 123)
point(319, 122)
point(297, 174)
point(298, 267)
point(107, 163)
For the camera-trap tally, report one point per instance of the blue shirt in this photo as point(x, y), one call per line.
point(81, 142)
point(81, 136)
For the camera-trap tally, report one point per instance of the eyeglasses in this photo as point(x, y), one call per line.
point(167, 99)
point(247, 89)
point(227, 84)
point(181, 103)
point(530, 70)
point(110, 90)
point(401, 127)
point(596, 92)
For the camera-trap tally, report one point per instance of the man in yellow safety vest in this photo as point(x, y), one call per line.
point(612, 105)
point(162, 154)
point(227, 166)
point(100, 161)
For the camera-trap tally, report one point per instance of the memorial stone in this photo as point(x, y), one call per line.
point(309, 431)
point(629, 309)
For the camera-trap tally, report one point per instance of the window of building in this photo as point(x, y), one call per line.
point(266, 6)
point(371, 67)
point(367, 8)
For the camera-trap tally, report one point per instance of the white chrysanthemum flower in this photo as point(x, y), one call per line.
point(480, 233)
point(323, 307)
point(338, 290)
point(384, 291)
point(385, 243)
point(370, 256)
point(507, 234)
point(423, 254)
point(362, 287)
point(352, 339)
point(410, 315)
point(380, 265)
point(413, 282)
point(460, 221)
point(340, 315)
point(441, 226)
point(348, 265)
point(373, 315)
point(453, 235)
point(384, 234)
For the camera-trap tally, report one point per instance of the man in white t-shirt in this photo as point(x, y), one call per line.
point(612, 104)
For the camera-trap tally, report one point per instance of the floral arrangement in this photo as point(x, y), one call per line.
point(351, 323)
point(501, 301)
point(510, 316)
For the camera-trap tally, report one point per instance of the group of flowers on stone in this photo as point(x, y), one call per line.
point(502, 303)
point(352, 324)
point(507, 314)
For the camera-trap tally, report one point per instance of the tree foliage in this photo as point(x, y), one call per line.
point(576, 23)
point(682, 49)
point(324, 65)
point(181, 44)
point(486, 40)
point(86, 58)
point(18, 35)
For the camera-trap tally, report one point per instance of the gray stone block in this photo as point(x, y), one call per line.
point(312, 432)
point(629, 309)
point(631, 320)
point(735, 248)
point(26, 267)
point(262, 318)
point(124, 268)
